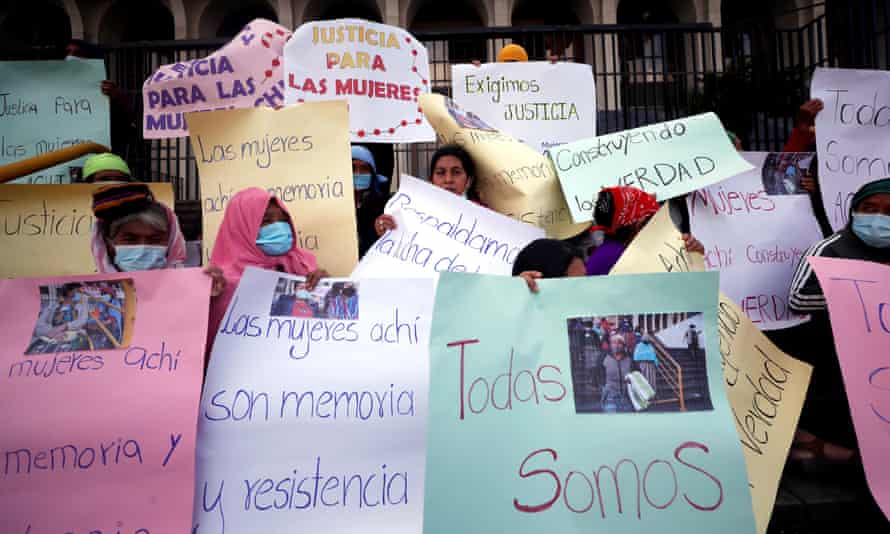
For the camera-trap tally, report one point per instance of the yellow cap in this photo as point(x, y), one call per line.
point(512, 52)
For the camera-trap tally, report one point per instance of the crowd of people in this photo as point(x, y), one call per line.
point(134, 232)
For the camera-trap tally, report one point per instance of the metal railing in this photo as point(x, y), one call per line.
point(671, 372)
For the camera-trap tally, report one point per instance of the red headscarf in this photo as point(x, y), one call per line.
point(235, 248)
point(630, 206)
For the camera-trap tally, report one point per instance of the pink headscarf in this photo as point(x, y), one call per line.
point(235, 249)
point(175, 245)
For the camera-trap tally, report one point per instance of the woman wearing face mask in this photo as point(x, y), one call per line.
point(133, 232)
point(371, 195)
point(453, 170)
point(257, 231)
point(829, 434)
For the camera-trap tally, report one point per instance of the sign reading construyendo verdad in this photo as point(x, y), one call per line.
point(440, 231)
point(246, 72)
point(380, 70)
point(513, 178)
point(668, 159)
point(49, 105)
point(47, 228)
point(300, 155)
point(542, 104)
point(852, 135)
point(314, 413)
point(99, 385)
point(756, 267)
point(534, 428)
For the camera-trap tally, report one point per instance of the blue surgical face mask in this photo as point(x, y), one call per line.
point(275, 239)
point(303, 294)
point(873, 229)
point(361, 181)
point(140, 257)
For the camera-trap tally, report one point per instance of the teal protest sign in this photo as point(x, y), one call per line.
point(667, 159)
point(48, 105)
point(596, 405)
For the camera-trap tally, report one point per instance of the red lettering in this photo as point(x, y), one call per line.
point(533, 509)
point(543, 381)
point(696, 445)
point(405, 92)
point(461, 344)
point(378, 64)
point(379, 89)
point(392, 91)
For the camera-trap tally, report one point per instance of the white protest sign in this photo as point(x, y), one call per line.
point(380, 70)
point(852, 134)
point(542, 104)
point(755, 236)
point(439, 231)
point(667, 159)
point(314, 411)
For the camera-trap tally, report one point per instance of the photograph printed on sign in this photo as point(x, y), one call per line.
point(466, 119)
point(331, 299)
point(84, 316)
point(652, 362)
point(782, 172)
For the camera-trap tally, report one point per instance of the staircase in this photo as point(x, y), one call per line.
point(682, 380)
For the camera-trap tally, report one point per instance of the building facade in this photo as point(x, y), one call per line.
point(47, 22)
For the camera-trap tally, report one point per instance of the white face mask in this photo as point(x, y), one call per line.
point(73, 58)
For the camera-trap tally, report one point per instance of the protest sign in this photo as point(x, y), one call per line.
point(315, 407)
point(300, 155)
point(542, 104)
point(440, 231)
point(513, 178)
point(858, 297)
point(47, 228)
point(49, 105)
point(765, 386)
point(246, 72)
point(380, 70)
point(99, 389)
point(852, 134)
point(756, 233)
point(667, 159)
point(521, 422)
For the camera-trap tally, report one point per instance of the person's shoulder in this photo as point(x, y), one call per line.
point(830, 247)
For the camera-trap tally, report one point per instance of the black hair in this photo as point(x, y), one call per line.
point(466, 161)
point(550, 257)
point(87, 49)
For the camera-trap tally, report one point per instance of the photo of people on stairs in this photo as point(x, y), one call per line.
point(652, 362)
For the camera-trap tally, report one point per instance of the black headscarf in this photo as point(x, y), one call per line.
point(549, 257)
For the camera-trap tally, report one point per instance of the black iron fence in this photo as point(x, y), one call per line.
point(753, 76)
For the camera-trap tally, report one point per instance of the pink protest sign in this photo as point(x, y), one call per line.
point(100, 378)
point(246, 72)
point(858, 296)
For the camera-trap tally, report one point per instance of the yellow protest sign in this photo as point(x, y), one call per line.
point(513, 178)
point(765, 386)
point(47, 228)
point(299, 154)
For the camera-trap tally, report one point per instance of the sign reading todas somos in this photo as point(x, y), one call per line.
point(47, 228)
point(514, 422)
point(513, 178)
point(765, 386)
point(100, 378)
point(246, 72)
point(668, 159)
point(299, 154)
point(852, 135)
point(440, 231)
point(756, 267)
point(50, 105)
point(380, 70)
point(858, 297)
point(314, 412)
point(542, 104)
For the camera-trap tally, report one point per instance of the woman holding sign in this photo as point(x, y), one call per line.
point(257, 231)
point(453, 170)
